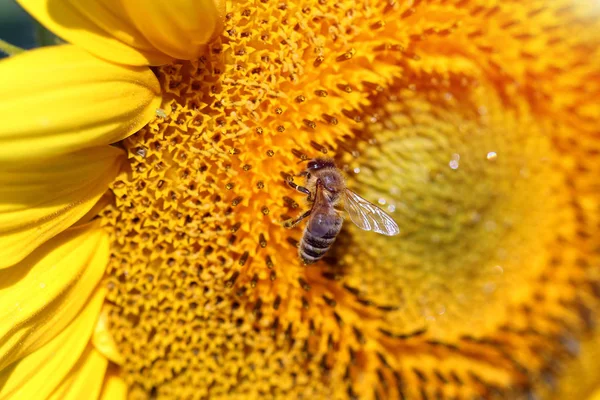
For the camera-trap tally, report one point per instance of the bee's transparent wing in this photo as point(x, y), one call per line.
point(368, 216)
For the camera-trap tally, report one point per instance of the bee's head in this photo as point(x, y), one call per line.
point(320, 163)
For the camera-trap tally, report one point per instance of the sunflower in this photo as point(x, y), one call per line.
point(159, 267)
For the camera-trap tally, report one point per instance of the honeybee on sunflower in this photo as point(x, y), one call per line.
point(146, 248)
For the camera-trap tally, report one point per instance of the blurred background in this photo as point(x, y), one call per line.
point(16, 26)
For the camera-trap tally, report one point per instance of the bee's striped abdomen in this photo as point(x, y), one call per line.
point(313, 246)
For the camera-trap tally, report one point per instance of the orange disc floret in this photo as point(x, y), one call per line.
point(471, 123)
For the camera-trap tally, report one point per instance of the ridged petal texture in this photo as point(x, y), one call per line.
point(85, 380)
point(43, 372)
point(61, 99)
point(179, 28)
point(47, 290)
point(114, 387)
point(133, 32)
point(43, 197)
point(103, 340)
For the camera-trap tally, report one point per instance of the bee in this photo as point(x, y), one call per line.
point(326, 190)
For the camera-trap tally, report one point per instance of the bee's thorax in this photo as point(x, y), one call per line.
point(332, 182)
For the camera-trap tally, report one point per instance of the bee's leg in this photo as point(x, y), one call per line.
point(301, 189)
point(290, 223)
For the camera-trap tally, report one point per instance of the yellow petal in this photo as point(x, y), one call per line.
point(85, 379)
point(114, 387)
point(106, 199)
point(42, 198)
point(101, 27)
point(136, 32)
point(61, 99)
point(39, 374)
point(103, 340)
point(179, 28)
point(42, 295)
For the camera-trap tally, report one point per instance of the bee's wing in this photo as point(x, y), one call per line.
point(368, 216)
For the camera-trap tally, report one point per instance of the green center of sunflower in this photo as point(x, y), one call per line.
point(477, 192)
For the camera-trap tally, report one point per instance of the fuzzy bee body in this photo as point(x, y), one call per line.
point(326, 190)
point(319, 234)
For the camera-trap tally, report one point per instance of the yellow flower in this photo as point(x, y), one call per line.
point(133, 32)
point(62, 108)
point(474, 124)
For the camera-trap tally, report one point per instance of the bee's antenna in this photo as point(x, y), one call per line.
point(304, 159)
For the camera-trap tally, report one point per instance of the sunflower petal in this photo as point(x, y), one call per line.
point(85, 379)
point(100, 27)
point(61, 99)
point(106, 199)
point(43, 294)
point(103, 340)
point(179, 28)
point(42, 198)
point(133, 32)
point(41, 373)
point(114, 387)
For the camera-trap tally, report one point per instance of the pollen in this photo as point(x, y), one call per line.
point(492, 277)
